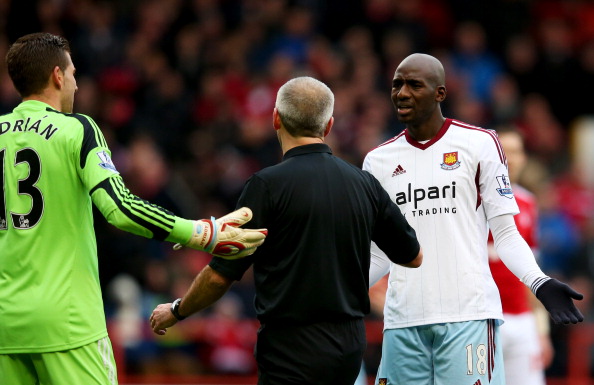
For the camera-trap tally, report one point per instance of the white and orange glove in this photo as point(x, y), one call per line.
point(224, 238)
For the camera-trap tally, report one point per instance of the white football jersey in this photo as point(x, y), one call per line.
point(447, 188)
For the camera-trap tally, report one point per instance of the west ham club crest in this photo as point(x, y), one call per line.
point(450, 161)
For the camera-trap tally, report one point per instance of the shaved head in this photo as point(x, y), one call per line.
point(429, 66)
point(418, 88)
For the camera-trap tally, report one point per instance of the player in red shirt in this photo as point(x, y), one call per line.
point(527, 349)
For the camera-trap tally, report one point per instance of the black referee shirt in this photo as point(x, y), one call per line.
point(321, 214)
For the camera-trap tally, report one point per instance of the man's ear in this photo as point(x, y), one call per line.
point(276, 121)
point(329, 126)
point(441, 93)
point(57, 77)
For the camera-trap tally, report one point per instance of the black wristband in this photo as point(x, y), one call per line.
point(175, 310)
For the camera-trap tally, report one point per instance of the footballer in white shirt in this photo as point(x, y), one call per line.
point(450, 180)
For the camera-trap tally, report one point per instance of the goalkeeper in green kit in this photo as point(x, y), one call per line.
point(53, 165)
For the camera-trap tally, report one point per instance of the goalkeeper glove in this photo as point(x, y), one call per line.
point(224, 238)
point(557, 299)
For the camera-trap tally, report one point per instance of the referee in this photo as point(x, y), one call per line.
point(312, 273)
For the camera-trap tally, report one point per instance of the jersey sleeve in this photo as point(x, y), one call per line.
point(392, 232)
point(379, 264)
point(94, 157)
point(118, 205)
point(367, 165)
point(493, 180)
point(255, 195)
point(128, 212)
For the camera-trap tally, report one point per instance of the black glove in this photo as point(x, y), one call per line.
point(556, 297)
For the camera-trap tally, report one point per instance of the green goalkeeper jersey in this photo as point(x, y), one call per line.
point(53, 166)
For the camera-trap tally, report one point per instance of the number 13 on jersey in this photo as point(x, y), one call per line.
point(25, 186)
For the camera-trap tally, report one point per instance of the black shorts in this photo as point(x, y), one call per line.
point(325, 353)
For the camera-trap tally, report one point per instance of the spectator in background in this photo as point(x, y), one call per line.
point(583, 78)
point(559, 234)
point(473, 66)
point(548, 139)
point(295, 39)
point(556, 64)
point(505, 101)
point(521, 60)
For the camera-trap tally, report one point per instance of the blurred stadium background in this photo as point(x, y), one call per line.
point(184, 89)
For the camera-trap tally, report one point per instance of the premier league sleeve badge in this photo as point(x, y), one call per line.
point(504, 189)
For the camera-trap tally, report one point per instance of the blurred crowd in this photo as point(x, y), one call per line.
point(184, 90)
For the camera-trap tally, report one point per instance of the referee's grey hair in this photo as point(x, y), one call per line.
point(305, 105)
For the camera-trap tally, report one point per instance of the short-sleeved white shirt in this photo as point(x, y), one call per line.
point(447, 188)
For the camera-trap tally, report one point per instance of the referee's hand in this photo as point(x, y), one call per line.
point(557, 297)
point(162, 318)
